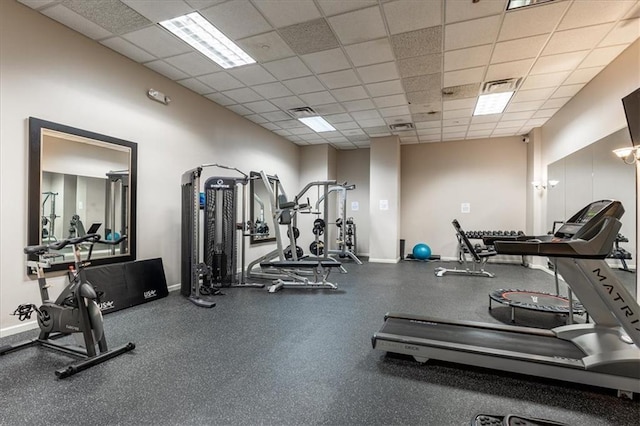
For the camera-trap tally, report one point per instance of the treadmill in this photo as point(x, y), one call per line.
point(603, 353)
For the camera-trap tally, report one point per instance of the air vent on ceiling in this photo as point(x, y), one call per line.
point(401, 127)
point(302, 112)
point(499, 86)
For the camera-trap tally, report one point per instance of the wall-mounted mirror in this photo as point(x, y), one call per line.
point(261, 209)
point(595, 173)
point(81, 182)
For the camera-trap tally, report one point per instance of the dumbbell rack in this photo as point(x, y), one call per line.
point(480, 235)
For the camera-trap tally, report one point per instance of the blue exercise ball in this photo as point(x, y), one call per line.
point(421, 251)
point(113, 236)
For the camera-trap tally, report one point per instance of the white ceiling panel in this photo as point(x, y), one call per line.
point(304, 85)
point(567, 90)
point(464, 11)
point(220, 81)
point(326, 61)
point(196, 85)
point(602, 56)
point(237, 19)
point(508, 69)
point(395, 111)
point(425, 64)
point(318, 98)
point(285, 69)
point(194, 64)
point(344, 119)
point(272, 90)
point(576, 39)
point(490, 118)
point(358, 26)
point(403, 16)
point(532, 95)
point(429, 125)
point(583, 75)
point(521, 48)
point(282, 13)
point(460, 77)
point(158, 42)
point(370, 52)
point(532, 21)
point(384, 88)
point(330, 109)
point(555, 103)
point(450, 105)
point(339, 79)
point(75, 21)
point(202, 4)
point(389, 101)
point(167, 70)
point(256, 118)
point(544, 113)
point(471, 33)
point(365, 115)
point(556, 63)
point(127, 49)
point(350, 93)
point(252, 74)
point(261, 106)
point(220, 99)
point(243, 95)
point(379, 72)
point(482, 126)
point(523, 106)
point(159, 11)
point(507, 124)
point(625, 32)
point(541, 81)
point(360, 105)
point(457, 113)
point(467, 58)
point(290, 124)
point(277, 116)
point(240, 109)
point(266, 47)
point(510, 116)
point(288, 102)
point(333, 7)
point(591, 12)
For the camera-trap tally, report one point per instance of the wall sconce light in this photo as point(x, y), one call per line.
point(158, 96)
point(628, 155)
point(543, 185)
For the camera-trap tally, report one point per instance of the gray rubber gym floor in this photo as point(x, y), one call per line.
point(299, 357)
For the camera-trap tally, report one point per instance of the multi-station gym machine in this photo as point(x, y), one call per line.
point(203, 277)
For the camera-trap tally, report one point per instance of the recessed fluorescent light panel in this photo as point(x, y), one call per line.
point(207, 39)
point(494, 103)
point(317, 124)
point(516, 4)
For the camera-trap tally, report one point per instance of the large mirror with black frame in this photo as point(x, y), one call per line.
point(80, 183)
point(593, 173)
point(260, 208)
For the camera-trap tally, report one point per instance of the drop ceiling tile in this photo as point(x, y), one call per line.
point(196, 85)
point(282, 132)
point(102, 13)
point(576, 39)
point(471, 33)
point(370, 52)
point(431, 138)
point(429, 125)
point(556, 63)
point(417, 43)
point(460, 92)
point(261, 106)
point(327, 135)
point(480, 134)
point(384, 88)
point(270, 126)
point(256, 118)
point(339, 118)
point(461, 77)
point(403, 16)
point(510, 131)
point(459, 104)
point(290, 124)
point(453, 136)
point(76, 22)
point(365, 115)
point(35, 4)
point(537, 122)
point(159, 11)
point(389, 101)
point(330, 109)
point(524, 106)
point(326, 61)
point(522, 48)
point(220, 99)
point(461, 123)
point(304, 130)
point(625, 32)
point(251, 74)
point(602, 56)
point(318, 98)
point(360, 105)
point(545, 113)
point(350, 93)
point(304, 85)
point(408, 140)
point(592, 12)
point(127, 49)
point(555, 103)
point(348, 125)
point(532, 95)
point(266, 47)
point(541, 81)
point(399, 119)
point(237, 19)
point(510, 116)
point(288, 102)
point(426, 64)
point(482, 126)
point(358, 26)
point(424, 97)
point(457, 113)
point(166, 70)
point(277, 116)
point(353, 132)
point(239, 109)
point(272, 90)
point(530, 21)
point(194, 64)
point(202, 4)
point(454, 129)
point(282, 13)
point(429, 82)
point(285, 69)
point(569, 90)
point(220, 81)
point(243, 95)
point(338, 79)
point(509, 124)
point(333, 7)
point(311, 137)
point(309, 37)
point(379, 72)
point(513, 69)
point(339, 139)
point(433, 131)
point(583, 75)
point(394, 111)
point(158, 42)
point(489, 118)
point(467, 58)
point(464, 11)
point(372, 123)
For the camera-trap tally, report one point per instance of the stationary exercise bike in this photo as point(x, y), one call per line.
point(74, 311)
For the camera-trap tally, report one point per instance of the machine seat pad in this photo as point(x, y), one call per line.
point(301, 264)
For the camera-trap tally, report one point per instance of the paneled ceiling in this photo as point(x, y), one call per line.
point(366, 64)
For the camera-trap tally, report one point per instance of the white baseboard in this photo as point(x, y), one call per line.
point(374, 260)
point(19, 328)
point(174, 287)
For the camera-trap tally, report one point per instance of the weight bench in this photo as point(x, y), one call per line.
point(321, 269)
point(479, 257)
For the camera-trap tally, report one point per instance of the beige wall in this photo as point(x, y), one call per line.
point(489, 174)
point(51, 72)
point(353, 168)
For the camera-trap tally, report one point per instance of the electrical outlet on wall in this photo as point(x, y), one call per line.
point(465, 208)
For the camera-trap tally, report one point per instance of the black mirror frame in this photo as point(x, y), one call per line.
point(33, 202)
point(253, 177)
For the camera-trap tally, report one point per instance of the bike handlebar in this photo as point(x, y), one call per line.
point(58, 245)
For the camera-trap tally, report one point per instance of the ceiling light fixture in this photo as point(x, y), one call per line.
point(493, 103)
point(516, 4)
point(194, 29)
point(317, 124)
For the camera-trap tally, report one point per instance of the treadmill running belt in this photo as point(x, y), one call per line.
point(483, 338)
